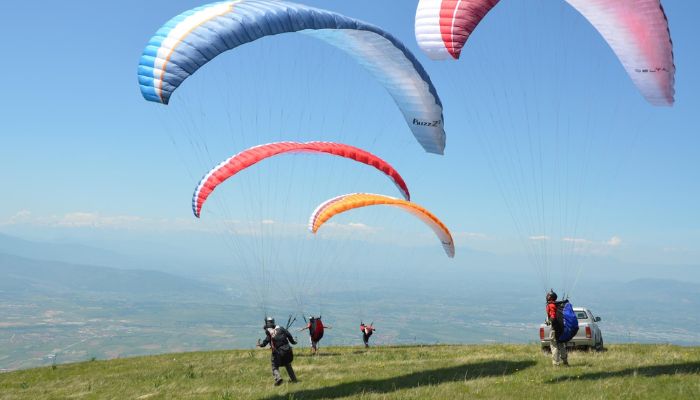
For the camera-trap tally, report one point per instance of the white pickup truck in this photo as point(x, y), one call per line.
point(587, 337)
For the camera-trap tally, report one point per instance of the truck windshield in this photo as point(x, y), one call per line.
point(581, 315)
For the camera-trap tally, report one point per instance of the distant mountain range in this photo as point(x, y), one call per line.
point(24, 276)
point(63, 252)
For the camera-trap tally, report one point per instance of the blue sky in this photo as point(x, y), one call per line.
point(83, 153)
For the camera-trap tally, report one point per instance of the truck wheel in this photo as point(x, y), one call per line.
point(599, 345)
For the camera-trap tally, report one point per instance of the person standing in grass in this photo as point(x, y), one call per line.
point(316, 330)
point(367, 331)
point(279, 340)
point(554, 320)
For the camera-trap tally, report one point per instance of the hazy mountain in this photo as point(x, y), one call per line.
point(23, 276)
point(64, 252)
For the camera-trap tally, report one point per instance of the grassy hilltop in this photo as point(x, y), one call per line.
point(415, 372)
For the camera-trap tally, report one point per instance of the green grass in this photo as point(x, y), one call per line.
point(415, 372)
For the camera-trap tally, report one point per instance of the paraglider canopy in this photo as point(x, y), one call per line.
point(249, 157)
point(347, 202)
point(192, 39)
point(636, 30)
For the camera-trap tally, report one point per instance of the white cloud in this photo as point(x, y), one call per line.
point(19, 218)
point(593, 247)
point(576, 240)
point(82, 219)
point(360, 225)
point(540, 237)
point(267, 227)
point(461, 237)
point(86, 219)
point(614, 241)
point(334, 229)
point(22, 214)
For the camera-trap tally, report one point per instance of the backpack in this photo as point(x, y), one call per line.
point(280, 345)
point(316, 329)
point(568, 320)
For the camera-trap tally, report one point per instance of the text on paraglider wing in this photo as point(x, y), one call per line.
point(657, 69)
point(426, 123)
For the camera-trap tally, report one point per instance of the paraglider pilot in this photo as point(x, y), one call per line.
point(316, 329)
point(367, 331)
point(554, 319)
point(279, 340)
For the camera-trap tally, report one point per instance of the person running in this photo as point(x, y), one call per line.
point(316, 330)
point(559, 354)
point(367, 331)
point(279, 340)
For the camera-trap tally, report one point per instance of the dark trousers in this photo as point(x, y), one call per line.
point(365, 338)
point(278, 377)
point(276, 361)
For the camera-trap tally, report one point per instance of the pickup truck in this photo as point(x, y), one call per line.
point(588, 336)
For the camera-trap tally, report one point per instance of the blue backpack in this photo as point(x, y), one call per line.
point(569, 321)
